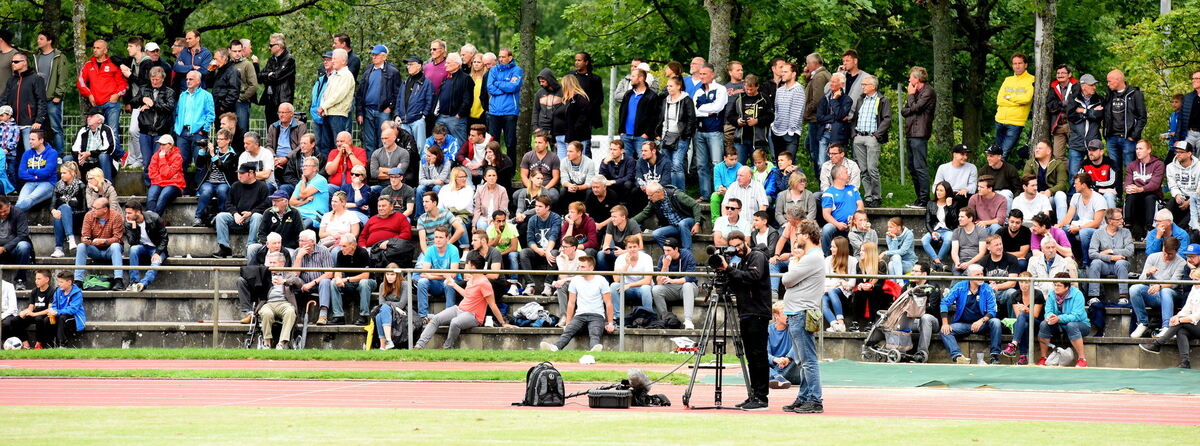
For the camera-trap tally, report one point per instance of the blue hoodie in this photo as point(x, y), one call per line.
point(958, 296)
point(70, 303)
point(317, 91)
point(43, 168)
point(504, 87)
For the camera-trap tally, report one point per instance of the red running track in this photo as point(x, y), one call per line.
point(924, 403)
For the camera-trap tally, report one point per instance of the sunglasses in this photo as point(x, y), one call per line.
point(731, 208)
point(15, 61)
point(357, 175)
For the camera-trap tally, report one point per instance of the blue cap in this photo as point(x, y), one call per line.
point(279, 194)
point(1191, 250)
point(379, 49)
point(396, 171)
point(328, 54)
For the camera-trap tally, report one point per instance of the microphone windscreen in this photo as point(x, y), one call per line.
point(638, 380)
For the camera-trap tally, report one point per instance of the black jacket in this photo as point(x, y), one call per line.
point(288, 224)
point(248, 198)
point(278, 79)
point(226, 163)
point(645, 122)
point(1135, 114)
point(159, 119)
point(26, 93)
point(155, 228)
point(594, 87)
point(750, 282)
point(18, 229)
point(742, 106)
point(295, 163)
point(572, 119)
point(456, 95)
point(390, 78)
point(687, 116)
point(226, 85)
point(931, 209)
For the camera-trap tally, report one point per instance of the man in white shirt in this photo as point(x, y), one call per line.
point(731, 221)
point(589, 306)
point(750, 193)
point(1030, 202)
point(262, 157)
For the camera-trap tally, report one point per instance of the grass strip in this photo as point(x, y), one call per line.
point(531, 356)
point(337, 375)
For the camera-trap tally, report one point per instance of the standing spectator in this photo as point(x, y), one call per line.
point(852, 86)
point(750, 114)
point(1143, 188)
point(975, 312)
point(1124, 117)
point(803, 282)
point(833, 114)
point(1052, 177)
point(572, 120)
point(156, 114)
point(1030, 202)
point(102, 86)
point(278, 78)
point(375, 98)
point(341, 41)
point(194, 114)
point(435, 68)
point(711, 99)
point(350, 255)
point(638, 114)
point(217, 174)
point(146, 237)
point(1012, 104)
point(816, 80)
point(52, 66)
point(16, 248)
point(790, 115)
point(1160, 266)
point(1183, 180)
point(969, 244)
point(1006, 180)
point(225, 84)
point(263, 160)
point(95, 145)
point(247, 69)
point(592, 86)
point(1065, 314)
point(66, 205)
point(633, 261)
point(414, 100)
point(338, 95)
point(872, 121)
point(192, 57)
point(283, 136)
point(1085, 112)
point(244, 209)
point(1185, 122)
point(101, 238)
point(504, 88)
point(837, 158)
point(38, 170)
point(452, 104)
point(547, 102)
point(1110, 250)
point(626, 83)
point(1062, 89)
point(166, 176)
point(962, 176)
point(989, 206)
point(918, 129)
point(683, 289)
point(676, 126)
point(26, 94)
point(941, 219)
point(320, 124)
point(838, 203)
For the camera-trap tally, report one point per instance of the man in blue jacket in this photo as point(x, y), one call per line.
point(413, 100)
point(975, 312)
point(67, 309)
point(504, 88)
point(376, 96)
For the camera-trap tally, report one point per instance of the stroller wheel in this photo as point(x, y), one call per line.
point(893, 356)
point(921, 357)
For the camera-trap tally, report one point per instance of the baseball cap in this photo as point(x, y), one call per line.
point(1183, 145)
point(1095, 144)
point(151, 47)
point(1088, 79)
point(1191, 250)
point(380, 48)
point(396, 171)
point(5, 110)
point(166, 139)
point(961, 148)
point(671, 242)
point(279, 195)
point(995, 150)
point(413, 59)
point(248, 167)
point(328, 55)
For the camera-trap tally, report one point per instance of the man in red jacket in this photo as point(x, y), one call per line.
point(102, 85)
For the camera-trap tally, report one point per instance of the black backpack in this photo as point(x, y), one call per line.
point(543, 387)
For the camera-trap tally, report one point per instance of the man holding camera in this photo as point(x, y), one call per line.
point(749, 282)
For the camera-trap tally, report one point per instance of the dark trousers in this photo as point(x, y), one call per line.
point(754, 338)
point(504, 128)
point(917, 149)
point(1139, 212)
point(66, 327)
point(866, 304)
point(1183, 333)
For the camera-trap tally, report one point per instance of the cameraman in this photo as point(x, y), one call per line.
point(749, 282)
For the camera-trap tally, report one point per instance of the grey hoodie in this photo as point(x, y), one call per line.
point(547, 100)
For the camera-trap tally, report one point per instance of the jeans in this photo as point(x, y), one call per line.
point(681, 230)
point(619, 290)
point(1099, 268)
point(896, 265)
point(812, 141)
point(1073, 330)
point(831, 304)
point(512, 261)
point(64, 227)
point(418, 204)
point(1085, 240)
point(457, 127)
point(1122, 150)
point(112, 118)
point(135, 136)
point(633, 146)
point(427, 286)
point(338, 124)
point(106, 164)
point(707, 152)
point(139, 254)
point(991, 328)
point(823, 147)
point(1005, 299)
point(159, 197)
point(207, 192)
point(775, 268)
point(186, 142)
point(370, 127)
point(1007, 136)
point(678, 157)
point(1074, 163)
point(1020, 330)
point(21, 255)
point(1059, 203)
point(866, 153)
point(806, 349)
point(828, 232)
point(1140, 298)
point(504, 128)
point(242, 110)
point(364, 288)
point(225, 221)
point(417, 130)
point(918, 149)
point(560, 146)
point(84, 252)
point(944, 250)
point(146, 145)
point(54, 110)
point(34, 193)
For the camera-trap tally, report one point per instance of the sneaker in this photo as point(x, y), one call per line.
point(198, 224)
point(1023, 360)
point(853, 326)
point(688, 325)
point(916, 205)
point(530, 289)
point(118, 284)
point(1042, 361)
point(995, 360)
point(961, 359)
point(19, 285)
point(562, 322)
point(341, 320)
point(1138, 331)
point(362, 320)
point(546, 291)
point(1151, 347)
point(223, 252)
point(810, 408)
point(322, 320)
point(264, 344)
point(780, 384)
point(1081, 363)
point(283, 345)
point(71, 243)
point(1010, 350)
point(137, 287)
point(388, 345)
point(743, 403)
point(1185, 364)
point(513, 290)
point(249, 318)
point(597, 348)
point(1159, 332)
point(58, 252)
point(1093, 301)
point(755, 405)
point(792, 407)
point(548, 346)
point(1123, 301)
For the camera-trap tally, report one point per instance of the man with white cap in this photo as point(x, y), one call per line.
point(376, 95)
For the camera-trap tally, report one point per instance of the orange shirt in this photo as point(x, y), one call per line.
point(479, 289)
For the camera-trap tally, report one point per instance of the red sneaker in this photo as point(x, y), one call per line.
point(1081, 363)
point(1042, 361)
point(37, 346)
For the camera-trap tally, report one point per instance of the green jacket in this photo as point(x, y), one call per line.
point(61, 79)
point(1057, 177)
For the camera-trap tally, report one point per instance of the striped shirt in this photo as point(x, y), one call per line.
point(868, 112)
point(789, 110)
point(319, 258)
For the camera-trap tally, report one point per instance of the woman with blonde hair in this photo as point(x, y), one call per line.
point(359, 196)
point(459, 195)
point(796, 196)
point(338, 221)
point(870, 295)
point(66, 204)
point(99, 186)
point(479, 105)
point(575, 115)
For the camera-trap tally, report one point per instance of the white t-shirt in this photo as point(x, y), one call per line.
point(644, 264)
point(1039, 204)
point(266, 161)
point(336, 226)
point(725, 227)
point(589, 294)
point(1085, 212)
point(462, 199)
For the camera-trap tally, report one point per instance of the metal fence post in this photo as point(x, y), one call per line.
point(901, 141)
point(408, 284)
point(216, 311)
point(621, 327)
point(1032, 320)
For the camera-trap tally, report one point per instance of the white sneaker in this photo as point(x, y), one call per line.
point(1138, 331)
point(1123, 301)
point(58, 252)
point(530, 289)
point(688, 325)
point(549, 347)
point(388, 346)
point(546, 290)
point(562, 322)
point(598, 348)
point(513, 291)
point(71, 244)
point(282, 345)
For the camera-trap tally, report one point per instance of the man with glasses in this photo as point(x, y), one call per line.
point(26, 94)
point(283, 136)
point(730, 222)
point(278, 78)
point(102, 86)
point(435, 69)
point(837, 158)
point(1110, 251)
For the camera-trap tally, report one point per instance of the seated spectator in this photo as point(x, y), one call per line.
point(437, 216)
point(9, 315)
point(495, 158)
point(1084, 215)
point(541, 159)
point(579, 226)
point(962, 176)
point(785, 371)
point(900, 256)
point(67, 309)
point(1164, 228)
point(782, 250)
point(1143, 188)
point(975, 313)
point(1182, 326)
point(359, 195)
point(293, 166)
point(281, 303)
point(478, 299)
point(928, 325)
point(576, 173)
point(36, 314)
point(1164, 266)
point(399, 150)
point(837, 158)
point(749, 192)
point(1052, 178)
point(798, 196)
point(1102, 172)
point(442, 255)
point(997, 263)
point(762, 236)
point(967, 246)
point(343, 159)
point(633, 261)
point(38, 169)
point(870, 295)
point(281, 218)
point(527, 198)
point(1016, 238)
point(146, 237)
point(263, 160)
point(493, 260)
point(589, 305)
point(442, 138)
point(763, 172)
point(839, 261)
point(600, 203)
point(1065, 314)
point(66, 204)
point(1030, 202)
point(619, 170)
point(101, 238)
point(389, 232)
point(543, 230)
point(94, 146)
point(247, 203)
point(391, 295)
point(1110, 251)
point(1043, 227)
point(566, 261)
point(311, 255)
point(728, 223)
point(1031, 302)
point(861, 233)
point(651, 166)
point(471, 154)
point(1007, 180)
point(619, 227)
point(274, 243)
point(1183, 180)
point(16, 248)
point(167, 180)
point(786, 164)
point(1048, 262)
point(838, 203)
point(285, 136)
point(403, 196)
point(489, 198)
point(668, 289)
point(724, 175)
point(458, 197)
point(678, 214)
point(504, 237)
point(941, 219)
point(311, 196)
point(338, 221)
point(217, 172)
point(990, 207)
point(350, 255)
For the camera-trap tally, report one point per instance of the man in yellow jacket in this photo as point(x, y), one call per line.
point(1012, 104)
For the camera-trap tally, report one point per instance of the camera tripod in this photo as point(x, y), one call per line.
point(718, 332)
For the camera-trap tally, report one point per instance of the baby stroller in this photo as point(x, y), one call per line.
point(890, 338)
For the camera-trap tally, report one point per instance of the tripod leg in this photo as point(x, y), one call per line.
point(701, 348)
point(739, 347)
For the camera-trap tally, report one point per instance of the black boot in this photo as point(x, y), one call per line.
point(223, 252)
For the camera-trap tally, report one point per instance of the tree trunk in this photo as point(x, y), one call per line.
point(973, 97)
point(1043, 59)
point(52, 20)
point(943, 75)
point(720, 15)
point(79, 29)
point(529, 25)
